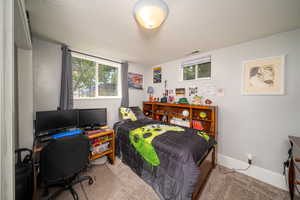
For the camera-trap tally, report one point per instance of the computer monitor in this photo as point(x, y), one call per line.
point(92, 117)
point(48, 121)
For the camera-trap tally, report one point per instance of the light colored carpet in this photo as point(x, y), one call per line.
point(118, 182)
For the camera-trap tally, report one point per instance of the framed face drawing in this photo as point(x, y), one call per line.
point(264, 76)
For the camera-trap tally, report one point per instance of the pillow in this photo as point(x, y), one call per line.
point(138, 112)
point(126, 113)
point(133, 113)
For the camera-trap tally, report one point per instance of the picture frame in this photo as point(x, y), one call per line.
point(157, 75)
point(265, 76)
point(180, 92)
point(135, 81)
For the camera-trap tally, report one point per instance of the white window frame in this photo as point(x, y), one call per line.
point(103, 62)
point(201, 60)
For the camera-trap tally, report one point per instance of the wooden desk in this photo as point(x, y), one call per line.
point(92, 135)
point(37, 148)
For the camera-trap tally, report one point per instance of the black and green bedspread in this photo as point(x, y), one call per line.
point(163, 155)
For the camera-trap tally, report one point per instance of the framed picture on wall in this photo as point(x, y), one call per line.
point(135, 81)
point(157, 75)
point(180, 92)
point(264, 76)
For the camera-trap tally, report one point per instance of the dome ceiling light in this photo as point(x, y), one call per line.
point(150, 13)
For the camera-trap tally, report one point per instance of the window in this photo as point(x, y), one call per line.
point(197, 69)
point(189, 72)
point(95, 78)
point(204, 70)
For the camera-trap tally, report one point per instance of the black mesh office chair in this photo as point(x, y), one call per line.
point(62, 161)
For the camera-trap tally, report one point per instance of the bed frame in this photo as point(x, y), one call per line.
point(166, 111)
point(206, 166)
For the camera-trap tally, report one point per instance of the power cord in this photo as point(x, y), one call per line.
point(233, 170)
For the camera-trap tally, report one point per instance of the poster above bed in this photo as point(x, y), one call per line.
point(135, 81)
point(157, 75)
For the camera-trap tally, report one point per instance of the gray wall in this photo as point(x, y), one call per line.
point(258, 125)
point(47, 75)
point(25, 98)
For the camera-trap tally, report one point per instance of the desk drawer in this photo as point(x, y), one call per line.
point(297, 166)
point(296, 154)
point(297, 173)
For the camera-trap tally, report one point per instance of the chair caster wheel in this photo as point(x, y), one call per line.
point(91, 181)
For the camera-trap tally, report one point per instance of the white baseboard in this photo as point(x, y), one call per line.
point(259, 173)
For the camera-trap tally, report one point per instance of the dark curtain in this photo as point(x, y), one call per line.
point(125, 95)
point(66, 91)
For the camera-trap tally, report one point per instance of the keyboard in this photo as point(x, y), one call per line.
point(66, 133)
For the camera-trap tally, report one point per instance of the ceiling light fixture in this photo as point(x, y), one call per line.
point(150, 13)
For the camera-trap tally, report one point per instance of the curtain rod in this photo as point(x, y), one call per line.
point(95, 56)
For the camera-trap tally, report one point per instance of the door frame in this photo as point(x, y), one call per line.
point(7, 174)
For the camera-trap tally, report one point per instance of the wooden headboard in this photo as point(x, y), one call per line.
point(208, 118)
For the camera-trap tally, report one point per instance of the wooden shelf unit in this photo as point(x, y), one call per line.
point(103, 136)
point(156, 111)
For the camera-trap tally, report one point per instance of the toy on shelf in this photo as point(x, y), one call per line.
point(208, 102)
point(171, 99)
point(197, 100)
point(203, 115)
point(185, 113)
point(150, 91)
point(164, 99)
point(183, 101)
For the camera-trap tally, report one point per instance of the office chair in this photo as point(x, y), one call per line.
point(61, 162)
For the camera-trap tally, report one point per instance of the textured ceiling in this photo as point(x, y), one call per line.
point(107, 27)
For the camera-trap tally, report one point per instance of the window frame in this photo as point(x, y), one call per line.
point(196, 68)
point(182, 73)
point(103, 62)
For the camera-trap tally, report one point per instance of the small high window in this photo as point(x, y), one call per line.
point(197, 69)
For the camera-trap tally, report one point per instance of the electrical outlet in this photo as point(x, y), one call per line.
point(249, 158)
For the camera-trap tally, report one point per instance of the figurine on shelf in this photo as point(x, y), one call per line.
point(164, 99)
point(151, 98)
point(202, 115)
point(196, 100)
point(147, 113)
point(150, 91)
point(171, 99)
point(208, 102)
point(185, 113)
point(183, 101)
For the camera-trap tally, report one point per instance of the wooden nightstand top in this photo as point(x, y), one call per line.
point(95, 134)
point(295, 140)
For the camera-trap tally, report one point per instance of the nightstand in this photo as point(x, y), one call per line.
point(103, 143)
point(294, 167)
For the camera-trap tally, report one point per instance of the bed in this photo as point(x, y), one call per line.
point(175, 161)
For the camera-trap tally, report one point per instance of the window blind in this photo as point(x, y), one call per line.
point(196, 61)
